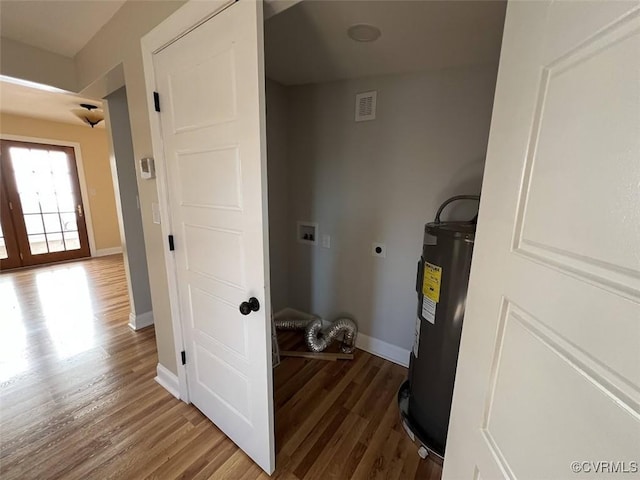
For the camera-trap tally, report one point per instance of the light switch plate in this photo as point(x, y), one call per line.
point(155, 211)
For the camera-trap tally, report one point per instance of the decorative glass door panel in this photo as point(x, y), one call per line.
point(44, 201)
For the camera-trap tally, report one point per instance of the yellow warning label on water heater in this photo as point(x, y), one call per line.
point(431, 281)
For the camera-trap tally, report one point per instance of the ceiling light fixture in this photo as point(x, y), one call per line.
point(90, 115)
point(362, 32)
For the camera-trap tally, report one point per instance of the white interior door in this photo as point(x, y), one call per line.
point(549, 366)
point(211, 89)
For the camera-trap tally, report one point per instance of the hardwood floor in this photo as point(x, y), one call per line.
point(78, 397)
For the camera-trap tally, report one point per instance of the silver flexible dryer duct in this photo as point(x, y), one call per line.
point(292, 323)
point(318, 339)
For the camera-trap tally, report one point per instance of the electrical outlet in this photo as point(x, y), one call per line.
point(326, 241)
point(379, 250)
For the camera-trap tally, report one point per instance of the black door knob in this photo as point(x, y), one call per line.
point(253, 305)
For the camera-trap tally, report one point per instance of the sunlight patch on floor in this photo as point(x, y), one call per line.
point(66, 305)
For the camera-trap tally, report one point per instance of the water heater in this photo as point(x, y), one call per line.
point(441, 285)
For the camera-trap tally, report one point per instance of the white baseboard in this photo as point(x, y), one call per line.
point(103, 252)
point(141, 320)
point(168, 380)
point(379, 348)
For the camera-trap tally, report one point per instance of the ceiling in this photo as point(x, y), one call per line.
point(37, 103)
point(308, 43)
point(61, 27)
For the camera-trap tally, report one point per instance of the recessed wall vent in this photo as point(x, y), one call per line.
point(366, 106)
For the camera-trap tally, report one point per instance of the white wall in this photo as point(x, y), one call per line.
point(376, 181)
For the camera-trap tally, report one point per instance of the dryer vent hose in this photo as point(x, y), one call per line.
point(318, 338)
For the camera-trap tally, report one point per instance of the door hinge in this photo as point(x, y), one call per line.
point(183, 356)
point(156, 101)
point(21, 256)
point(172, 247)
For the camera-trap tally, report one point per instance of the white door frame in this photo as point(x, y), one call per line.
point(84, 191)
point(182, 21)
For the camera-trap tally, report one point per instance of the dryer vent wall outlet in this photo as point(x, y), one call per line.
point(379, 250)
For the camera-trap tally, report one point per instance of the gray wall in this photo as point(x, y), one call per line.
point(376, 181)
point(278, 194)
point(123, 167)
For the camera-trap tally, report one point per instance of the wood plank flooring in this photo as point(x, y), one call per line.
point(78, 397)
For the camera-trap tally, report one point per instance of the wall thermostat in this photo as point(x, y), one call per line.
point(147, 168)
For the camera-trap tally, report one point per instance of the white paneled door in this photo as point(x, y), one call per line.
point(548, 382)
point(211, 89)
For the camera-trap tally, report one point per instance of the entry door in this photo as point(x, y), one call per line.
point(211, 90)
point(42, 212)
point(548, 382)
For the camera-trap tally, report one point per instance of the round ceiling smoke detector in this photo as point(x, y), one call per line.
point(363, 32)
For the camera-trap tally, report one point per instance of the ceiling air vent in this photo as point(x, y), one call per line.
point(366, 106)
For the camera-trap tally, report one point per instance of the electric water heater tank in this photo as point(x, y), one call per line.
point(441, 285)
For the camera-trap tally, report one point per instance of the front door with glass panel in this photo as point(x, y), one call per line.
point(42, 212)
